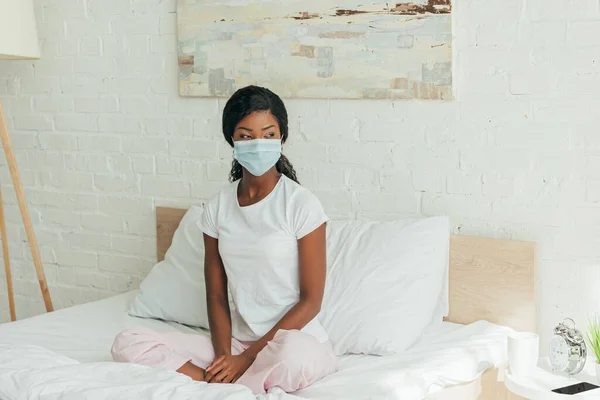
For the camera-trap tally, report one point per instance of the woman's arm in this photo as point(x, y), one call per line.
point(313, 268)
point(219, 317)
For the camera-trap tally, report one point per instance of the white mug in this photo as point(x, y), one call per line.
point(523, 353)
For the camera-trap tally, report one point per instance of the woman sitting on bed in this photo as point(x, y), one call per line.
point(264, 238)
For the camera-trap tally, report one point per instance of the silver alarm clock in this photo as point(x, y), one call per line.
point(567, 348)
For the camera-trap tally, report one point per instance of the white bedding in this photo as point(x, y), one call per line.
point(81, 336)
point(31, 372)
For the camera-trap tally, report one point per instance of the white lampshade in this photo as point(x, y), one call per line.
point(18, 33)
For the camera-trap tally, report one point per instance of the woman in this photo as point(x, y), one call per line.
point(264, 238)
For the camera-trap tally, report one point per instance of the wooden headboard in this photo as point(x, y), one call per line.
point(490, 279)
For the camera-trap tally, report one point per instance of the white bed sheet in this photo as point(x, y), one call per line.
point(85, 332)
point(446, 356)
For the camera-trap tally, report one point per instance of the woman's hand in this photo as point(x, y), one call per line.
point(228, 369)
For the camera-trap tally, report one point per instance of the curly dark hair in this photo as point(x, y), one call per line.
point(244, 102)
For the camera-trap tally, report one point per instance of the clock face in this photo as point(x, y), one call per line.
point(559, 354)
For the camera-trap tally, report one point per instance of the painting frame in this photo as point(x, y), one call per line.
point(314, 49)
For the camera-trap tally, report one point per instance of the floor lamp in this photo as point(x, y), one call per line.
point(18, 41)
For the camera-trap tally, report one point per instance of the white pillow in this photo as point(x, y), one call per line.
point(385, 283)
point(174, 290)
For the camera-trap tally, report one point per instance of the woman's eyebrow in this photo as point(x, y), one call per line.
point(244, 128)
point(268, 127)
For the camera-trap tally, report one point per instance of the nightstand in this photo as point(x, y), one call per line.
point(539, 385)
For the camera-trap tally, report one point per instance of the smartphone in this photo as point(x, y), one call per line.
point(576, 388)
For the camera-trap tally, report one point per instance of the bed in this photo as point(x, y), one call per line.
point(490, 280)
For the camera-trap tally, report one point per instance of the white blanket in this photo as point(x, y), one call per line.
point(34, 373)
point(457, 356)
point(445, 357)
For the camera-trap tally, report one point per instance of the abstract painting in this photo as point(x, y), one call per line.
point(338, 49)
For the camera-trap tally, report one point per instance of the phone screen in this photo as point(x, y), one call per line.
point(576, 388)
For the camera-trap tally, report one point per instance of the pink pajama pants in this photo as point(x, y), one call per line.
point(291, 361)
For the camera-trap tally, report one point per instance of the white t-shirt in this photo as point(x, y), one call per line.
point(259, 248)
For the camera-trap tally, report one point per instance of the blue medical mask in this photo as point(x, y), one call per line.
point(257, 155)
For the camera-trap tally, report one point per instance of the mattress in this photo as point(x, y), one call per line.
point(85, 332)
point(446, 356)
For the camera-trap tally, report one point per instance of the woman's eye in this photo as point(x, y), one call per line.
point(270, 134)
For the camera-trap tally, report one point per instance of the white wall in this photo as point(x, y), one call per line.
point(102, 137)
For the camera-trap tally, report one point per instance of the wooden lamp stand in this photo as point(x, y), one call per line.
point(18, 41)
point(33, 246)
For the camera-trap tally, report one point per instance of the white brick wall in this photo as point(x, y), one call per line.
point(102, 137)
